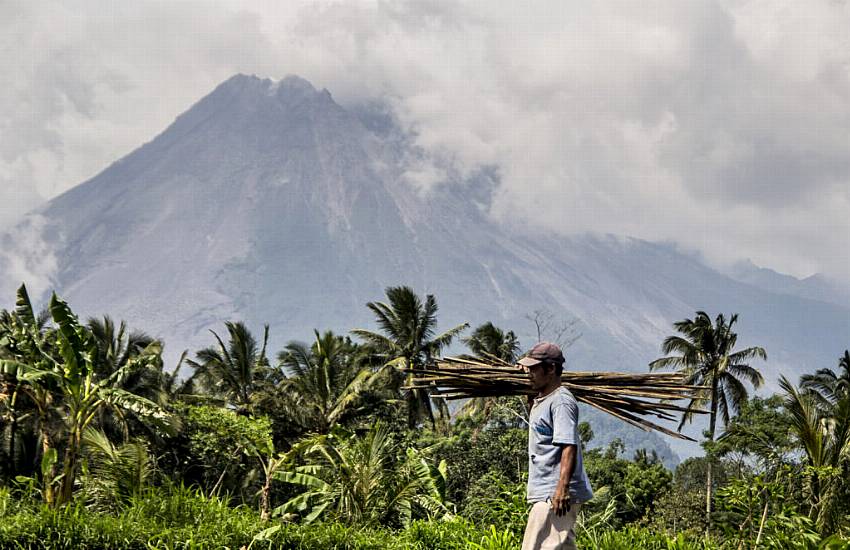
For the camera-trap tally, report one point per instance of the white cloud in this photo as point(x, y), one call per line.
point(719, 125)
point(26, 256)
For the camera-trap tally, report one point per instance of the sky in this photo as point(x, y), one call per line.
point(722, 127)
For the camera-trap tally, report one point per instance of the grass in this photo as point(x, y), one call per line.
point(182, 518)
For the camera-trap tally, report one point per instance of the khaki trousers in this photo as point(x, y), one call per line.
point(546, 531)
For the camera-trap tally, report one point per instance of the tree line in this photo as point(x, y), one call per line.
point(326, 431)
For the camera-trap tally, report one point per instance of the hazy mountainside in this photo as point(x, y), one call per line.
point(269, 202)
point(815, 287)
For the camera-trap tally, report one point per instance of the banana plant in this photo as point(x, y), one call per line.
point(68, 369)
point(26, 347)
point(84, 395)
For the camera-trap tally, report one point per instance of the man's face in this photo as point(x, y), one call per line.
point(540, 376)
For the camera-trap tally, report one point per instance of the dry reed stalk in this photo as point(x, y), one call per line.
point(628, 396)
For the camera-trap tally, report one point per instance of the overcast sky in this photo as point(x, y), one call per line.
point(721, 126)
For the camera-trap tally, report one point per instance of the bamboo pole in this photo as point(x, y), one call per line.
point(630, 397)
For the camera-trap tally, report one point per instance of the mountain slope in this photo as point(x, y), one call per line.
point(269, 202)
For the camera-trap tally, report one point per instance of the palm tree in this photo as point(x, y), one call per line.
point(364, 480)
point(116, 349)
point(408, 341)
point(115, 346)
point(705, 356)
point(325, 380)
point(115, 473)
point(173, 387)
point(233, 370)
point(824, 434)
point(825, 386)
point(490, 343)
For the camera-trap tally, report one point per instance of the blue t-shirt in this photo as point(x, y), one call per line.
point(552, 424)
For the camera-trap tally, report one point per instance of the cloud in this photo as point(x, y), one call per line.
point(90, 82)
point(719, 125)
point(27, 257)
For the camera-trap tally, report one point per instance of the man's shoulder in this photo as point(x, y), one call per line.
point(563, 396)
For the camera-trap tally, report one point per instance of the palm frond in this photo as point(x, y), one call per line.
point(745, 372)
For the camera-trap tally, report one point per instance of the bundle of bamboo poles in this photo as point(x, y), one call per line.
point(631, 397)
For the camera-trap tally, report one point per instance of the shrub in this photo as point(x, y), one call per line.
point(500, 450)
point(495, 500)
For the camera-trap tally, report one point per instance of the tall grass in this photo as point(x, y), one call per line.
point(178, 517)
point(181, 518)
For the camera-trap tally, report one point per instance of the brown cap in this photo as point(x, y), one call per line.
point(542, 352)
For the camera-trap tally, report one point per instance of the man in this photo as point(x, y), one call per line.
point(557, 482)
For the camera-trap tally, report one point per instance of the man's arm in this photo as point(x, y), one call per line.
point(561, 500)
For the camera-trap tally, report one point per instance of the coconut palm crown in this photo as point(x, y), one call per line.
point(704, 352)
point(408, 339)
point(325, 380)
point(233, 370)
point(490, 342)
point(826, 386)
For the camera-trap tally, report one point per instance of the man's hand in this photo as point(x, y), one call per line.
point(561, 499)
point(561, 502)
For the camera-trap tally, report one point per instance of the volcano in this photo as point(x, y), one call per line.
point(269, 202)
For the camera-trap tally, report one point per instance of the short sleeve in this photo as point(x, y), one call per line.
point(564, 422)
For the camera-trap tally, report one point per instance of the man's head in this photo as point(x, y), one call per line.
point(544, 363)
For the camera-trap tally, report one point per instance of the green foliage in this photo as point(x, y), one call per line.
point(502, 451)
point(759, 509)
point(494, 500)
point(94, 399)
point(595, 520)
point(113, 474)
point(450, 534)
point(71, 375)
point(703, 353)
point(326, 381)
point(490, 343)
point(642, 485)
point(679, 511)
point(235, 370)
point(822, 428)
point(690, 474)
point(173, 518)
point(224, 444)
point(365, 481)
point(634, 486)
point(177, 517)
point(27, 411)
point(760, 432)
point(214, 431)
point(632, 538)
point(495, 539)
